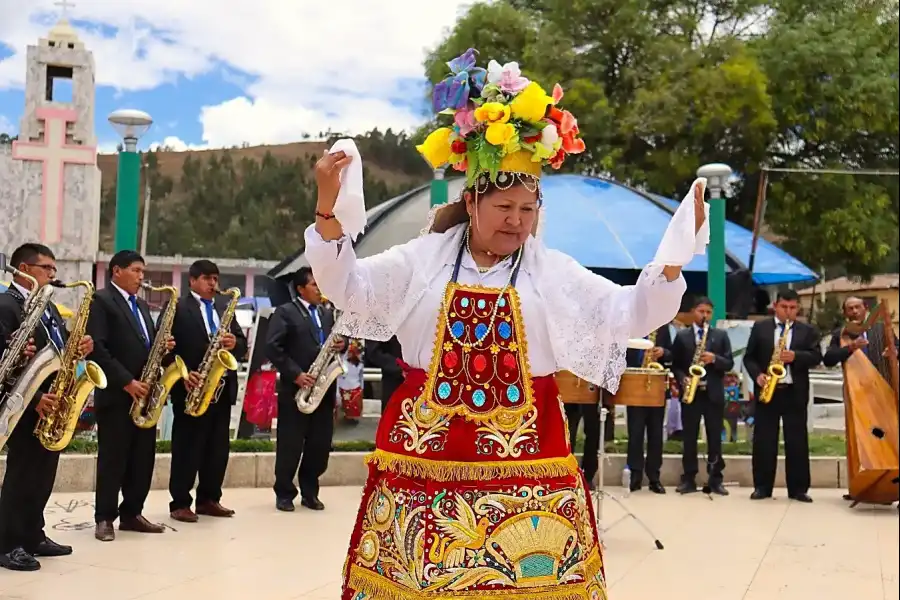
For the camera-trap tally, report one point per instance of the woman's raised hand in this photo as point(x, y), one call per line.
point(328, 179)
point(699, 209)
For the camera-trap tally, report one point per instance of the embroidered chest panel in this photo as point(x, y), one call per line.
point(479, 367)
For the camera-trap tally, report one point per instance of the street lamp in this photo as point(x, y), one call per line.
point(716, 175)
point(131, 125)
point(439, 188)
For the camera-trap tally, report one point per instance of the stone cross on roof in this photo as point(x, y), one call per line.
point(64, 5)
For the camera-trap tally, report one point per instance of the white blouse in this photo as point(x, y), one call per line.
point(574, 320)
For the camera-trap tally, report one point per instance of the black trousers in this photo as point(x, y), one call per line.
point(790, 407)
point(591, 415)
point(713, 415)
point(389, 384)
point(27, 485)
point(199, 452)
point(125, 458)
point(303, 445)
point(649, 420)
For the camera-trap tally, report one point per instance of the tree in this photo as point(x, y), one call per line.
point(661, 87)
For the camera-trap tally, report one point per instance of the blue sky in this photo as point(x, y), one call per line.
point(223, 72)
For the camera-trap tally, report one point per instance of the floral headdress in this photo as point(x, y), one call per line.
point(504, 127)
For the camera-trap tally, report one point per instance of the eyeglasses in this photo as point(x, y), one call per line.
point(49, 269)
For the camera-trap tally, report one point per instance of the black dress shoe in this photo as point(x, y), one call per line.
point(312, 503)
point(50, 548)
point(19, 560)
point(635, 485)
point(716, 488)
point(760, 494)
point(848, 497)
point(804, 497)
point(686, 487)
point(284, 505)
point(656, 487)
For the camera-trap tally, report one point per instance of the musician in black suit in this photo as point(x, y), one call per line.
point(855, 312)
point(789, 400)
point(297, 331)
point(385, 355)
point(200, 444)
point(123, 332)
point(30, 468)
point(649, 419)
point(709, 400)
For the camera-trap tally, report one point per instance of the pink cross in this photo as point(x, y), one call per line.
point(54, 152)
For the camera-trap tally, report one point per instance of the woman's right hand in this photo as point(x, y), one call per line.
point(328, 179)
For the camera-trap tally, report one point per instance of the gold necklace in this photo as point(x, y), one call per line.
point(481, 270)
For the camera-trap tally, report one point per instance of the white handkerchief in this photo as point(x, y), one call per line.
point(350, 207)
point(680, 243)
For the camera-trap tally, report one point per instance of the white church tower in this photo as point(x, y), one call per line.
point(49, 180)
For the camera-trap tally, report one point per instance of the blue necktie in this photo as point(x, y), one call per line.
point(314, 313)
point(132, 300)
point(53, 329)
point(210, 318)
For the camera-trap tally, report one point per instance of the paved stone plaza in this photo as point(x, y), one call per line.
point(727, 549)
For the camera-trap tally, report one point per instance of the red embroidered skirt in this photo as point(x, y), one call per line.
point(352, 403)
point(459, 509)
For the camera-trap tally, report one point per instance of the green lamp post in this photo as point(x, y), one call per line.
point(439, 188)
point(131, 125)
point(717, 175)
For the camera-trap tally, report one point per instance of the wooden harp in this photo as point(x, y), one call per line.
point(871, 396)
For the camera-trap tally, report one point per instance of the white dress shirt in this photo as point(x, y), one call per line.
point(787, 346)
point(140, 315)
point(215, 314)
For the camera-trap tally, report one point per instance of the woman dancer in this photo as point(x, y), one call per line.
point(473, 491)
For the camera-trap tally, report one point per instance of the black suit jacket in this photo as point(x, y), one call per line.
point(804, 343)
point(717, 342)
point(634, 357)
point(11, 304)
point(384, 355)
point(192, 340)
point(292, 342)
point(119, 346)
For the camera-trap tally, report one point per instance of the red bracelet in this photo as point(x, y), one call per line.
point(326, 216)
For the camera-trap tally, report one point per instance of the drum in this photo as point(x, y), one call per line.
point(573, 390)
point(642, 387)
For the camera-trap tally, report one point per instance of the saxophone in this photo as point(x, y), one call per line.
point(776, 370)
point(216, 361)
point(696, 370)
point(72, 389)
point(648, 362)
point(325, 369)
point(145, 413)
point(18, 383)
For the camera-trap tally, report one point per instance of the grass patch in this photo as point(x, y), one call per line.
point(820, 444)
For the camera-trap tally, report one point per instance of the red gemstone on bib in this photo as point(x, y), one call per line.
point(451, 359)
point(480, 363)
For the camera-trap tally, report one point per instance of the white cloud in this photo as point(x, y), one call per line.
point(176, 144)
point(6, 125)
point(307, 63)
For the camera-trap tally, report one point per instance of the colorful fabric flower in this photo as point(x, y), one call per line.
point(500, 134)
point(492, 112)
point(453, 92)
point(464, 119)
point(568, 130)
point(507, 77)
point(436, 147)
point(531, 103)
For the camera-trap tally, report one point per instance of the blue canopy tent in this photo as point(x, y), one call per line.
point(609, 228)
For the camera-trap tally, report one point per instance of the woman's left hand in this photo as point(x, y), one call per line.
point(699, 206)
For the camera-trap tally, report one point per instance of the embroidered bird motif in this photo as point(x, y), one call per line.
point(464, 533)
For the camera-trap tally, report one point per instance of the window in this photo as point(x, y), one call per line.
point(261, 285)
point(59, 84)
point(158, 279)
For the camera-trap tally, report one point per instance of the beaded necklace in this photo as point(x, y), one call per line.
point(481, 270)
point(466, 345)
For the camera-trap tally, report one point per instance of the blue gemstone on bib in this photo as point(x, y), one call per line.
point(457, 329)
point(444, 390)
point(480, 330)
point(481, 304)
point(464, 302)
point(502, 302)
point(504, 330)
point(513, 393)
point(478, 398)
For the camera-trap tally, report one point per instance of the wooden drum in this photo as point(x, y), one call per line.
point(573, 390)
point(642, 387)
